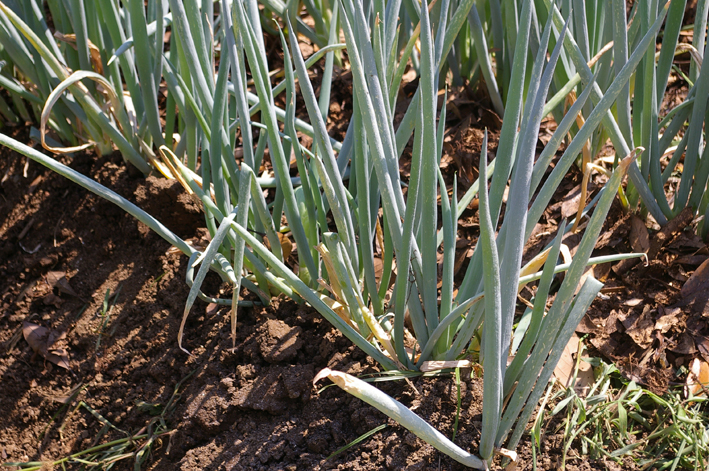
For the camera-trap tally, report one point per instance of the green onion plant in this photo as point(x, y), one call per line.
point(672, 173)
point(343, 203)
point(676, 167)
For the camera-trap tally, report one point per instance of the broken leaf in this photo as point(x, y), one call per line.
point(670, 316)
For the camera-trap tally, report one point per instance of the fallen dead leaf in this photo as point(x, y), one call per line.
point(633, 302)
point(378, 269)
point(693, 260)
point(669, 231)
point(57, 279)
point(52, 299)
point(462, 247)
point(684, 344)
point(587, 326)
point(601, 272)
point(639, 237)
point(698, 281)
point(614, 322)
point(286, 244)
point(42, 341)
point(606, 345)
point(695, 291)
point(698, 378)
point(570, 204)
point(702, 343)
point(212, 308)
point(564, 371)
point(510, 455)
point(669, 318)
point(640, 327)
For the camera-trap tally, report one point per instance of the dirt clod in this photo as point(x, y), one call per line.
point(278, 341)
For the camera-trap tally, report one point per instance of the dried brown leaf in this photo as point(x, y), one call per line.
point(570, 202)
point(564, 370)
point(695, 292)
point(633, 302)
point(613, 323)
point(698, 378)
point(57, 279)
point(42, 341)
point(52, 299)
point(702, 343)
point(639, 236)
point(669, 318)
point(378, 269)
point(684, 344)
point(693, 260)
point(462, 247)
point(640, 328)
point(587, 326)
point(699, 281)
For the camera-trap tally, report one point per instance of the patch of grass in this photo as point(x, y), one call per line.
point(618, 420)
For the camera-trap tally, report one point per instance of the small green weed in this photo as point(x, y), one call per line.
point(105, 314)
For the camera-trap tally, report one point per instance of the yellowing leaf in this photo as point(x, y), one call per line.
point(286, 245)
